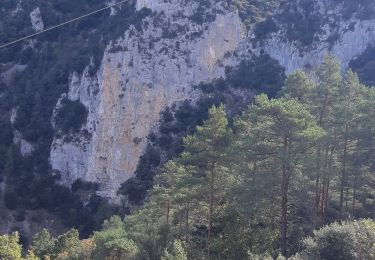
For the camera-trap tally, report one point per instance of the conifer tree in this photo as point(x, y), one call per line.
point(207, 149)
point(324, 96)
point(284, 128)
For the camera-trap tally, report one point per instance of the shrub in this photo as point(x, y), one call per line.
point(71, 116)
point(349, 241)
point(364, 66)
point(10, 247)
point(262, 74)
point(265, 28)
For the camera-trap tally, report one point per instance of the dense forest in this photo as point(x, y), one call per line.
point(292, 176)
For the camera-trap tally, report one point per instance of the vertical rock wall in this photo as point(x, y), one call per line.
point(124, 100)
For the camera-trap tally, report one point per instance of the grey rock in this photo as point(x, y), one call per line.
point(144, 72)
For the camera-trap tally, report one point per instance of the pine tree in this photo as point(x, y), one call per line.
point(283, 128)
point(113, 242)
point(298, 85)
point(43, 244)
point(207, 149)
point(324, 96)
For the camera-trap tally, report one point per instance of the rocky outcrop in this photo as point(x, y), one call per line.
point(341, 36)
point(354, 36)
point(25, 147)
point(36, 20)
point(18, 8)
point(149, 69)
point(8, 71)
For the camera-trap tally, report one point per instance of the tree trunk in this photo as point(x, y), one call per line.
point(187, 223)
point(168, 211)
point(167, 223)
point(318, 159)
point(326, 201)
point(354, 194)
point(284, 198)
point(346, 199)
point(211, 209)
point(323, 188)
point(317, 186)
point(284, 212)
point(343, 175)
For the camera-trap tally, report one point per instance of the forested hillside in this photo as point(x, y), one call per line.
point(255, 186)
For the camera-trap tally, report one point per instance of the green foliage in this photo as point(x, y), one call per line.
point(203, 13)
point(364, 66)
point(227, 193)
point(262, 74)
point(177, 252)
point(302, 21)
point(136, 188)
point(281, 129)
point(43, 244)
point(302, 160)
point(31, 256)
point(35, 92)
point(263, 29)
point(297, 86)
point(350, 241)
point(252, 11)
point(113, 242)
point(71, 116)
point(256, 187)
point(174, 124)
point(67, 244)
point(9, 247)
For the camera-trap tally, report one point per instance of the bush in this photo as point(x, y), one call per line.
point(10, 247)
point(176, 252)
point(71, 116)
point(263, 29)
point(113, 242)
point(262, 74)
point(364, 66)
point(252, 11)
point(349, 241)
point(301, 21)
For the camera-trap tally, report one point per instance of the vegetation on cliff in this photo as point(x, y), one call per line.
point(297, 163)
point(49, 62)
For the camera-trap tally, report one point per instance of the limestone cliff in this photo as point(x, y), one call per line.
point(155, 66)
point(344, 38)
point(37, 20)
point(149, 72)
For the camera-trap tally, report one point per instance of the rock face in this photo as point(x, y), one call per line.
point(36, 20)
point(353, 37)
point(152, 68)
point(25, 147)
point(134, 85)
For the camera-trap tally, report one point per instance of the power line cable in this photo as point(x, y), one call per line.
point(59, 25)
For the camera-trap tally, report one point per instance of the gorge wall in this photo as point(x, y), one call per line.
point(151, 68)
point(147, 72)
